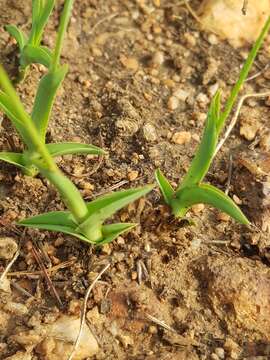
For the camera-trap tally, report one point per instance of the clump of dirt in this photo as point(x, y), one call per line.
point(141, 77)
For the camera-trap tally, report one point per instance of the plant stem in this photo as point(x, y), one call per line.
point(70, 194)
point(61, 33)
point(243, 75)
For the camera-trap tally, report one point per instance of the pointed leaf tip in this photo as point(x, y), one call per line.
point(208, 194)
point(165, 186)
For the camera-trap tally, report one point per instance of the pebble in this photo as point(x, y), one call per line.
point(157, 59)
point(106, 249)
point(202, 99)
point(129, 63)
point(212, 39)
point(125, 340)
point(214, 357)
point(181, 94)
point(223, 217)
point(196, 209)
point(249, 130)
point(132, 175)
point(237, 200)
point(8, 247)
point(149, 132)
point(173, 103)
point(220, 352)
point(181, 137)
point(265, 142)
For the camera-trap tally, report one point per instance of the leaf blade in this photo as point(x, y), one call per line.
point(18, 35)
point(204, 154)
point(44, 100)
point(112, 231)
point(73, 148)
point(105, 206)
point(35, 55)
point(13, 158)
point(208, 194)
point(164, 185)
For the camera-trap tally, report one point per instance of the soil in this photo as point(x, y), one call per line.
point(209, 282)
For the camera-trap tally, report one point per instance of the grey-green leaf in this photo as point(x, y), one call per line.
point(44, 99)
point(204, 154)
point(105, 206)
point(35, 55)
point(13, 158)
point(73, 148)
point(165, 186)
point(112, 231)
point(207, 194)
point(7, 106)
point(18, 35)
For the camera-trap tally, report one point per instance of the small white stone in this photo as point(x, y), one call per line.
point(173, 103)
point(149, 132)
point(212, 39)
point(181, 137)
point(181, 94)
point(158, 59)
point(8, 247)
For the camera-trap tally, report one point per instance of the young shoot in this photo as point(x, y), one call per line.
point(192, 190)
point(30, 48)
point(82, 220)
point(45, 97)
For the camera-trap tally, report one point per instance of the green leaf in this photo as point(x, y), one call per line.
point(18, 35)
point(204, 154)
point(46, 93)
point(207, 194)
point(7, 106)
point(62, 218)
point(243, 74)
point(13, 158)
point(165, 186)
point(105, 206)
point(40, 16)
point(57, 228)
point(43, 19)
point(35, 55)
point(112, 231)
point(73, 148)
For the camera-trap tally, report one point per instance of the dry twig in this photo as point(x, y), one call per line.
point(4, 273)
point(235, 117)
point(160, 323)
point(46, 275)
point(83, 312)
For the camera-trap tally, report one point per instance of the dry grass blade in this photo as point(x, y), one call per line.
point(235, 117)
point(51, 270)
point(83, 312)
point(4, 273)
point(160, 323)
point(46, 275)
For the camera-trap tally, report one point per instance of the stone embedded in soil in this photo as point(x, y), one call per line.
point(224, 17)
point(239, 293)
point(249, 130)
point(55, 341)
point(181, 137)
point(129, 63)
point(20, 355)
point(149, 132)
point(8, 247)
point(173, 103)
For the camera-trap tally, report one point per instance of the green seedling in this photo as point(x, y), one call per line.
point(192, 191)
point(45, 97)
point(82, 220)
point(31, 50)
